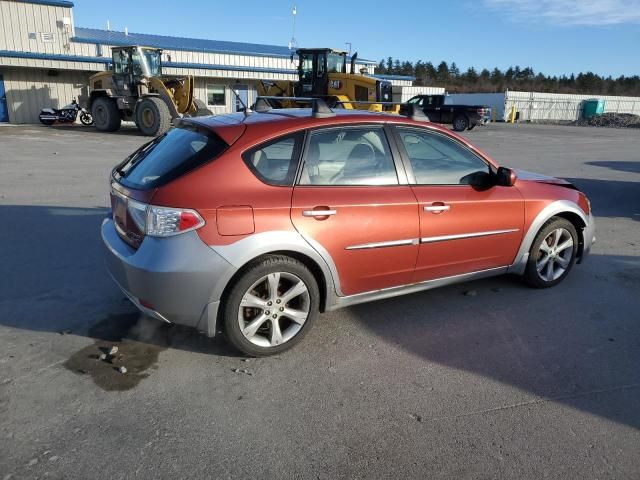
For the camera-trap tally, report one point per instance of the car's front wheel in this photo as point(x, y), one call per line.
point(552, 253)
point(271, 306)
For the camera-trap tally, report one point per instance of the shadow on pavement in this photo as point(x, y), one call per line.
point(631, 167)
point(129, 130)
point(562, 344)
point(611, 198)
point(57, 282)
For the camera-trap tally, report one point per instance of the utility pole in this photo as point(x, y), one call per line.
point(348, 43)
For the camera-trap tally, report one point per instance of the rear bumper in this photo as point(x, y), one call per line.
point(176, 279)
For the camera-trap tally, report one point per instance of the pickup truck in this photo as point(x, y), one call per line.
point(462, 117)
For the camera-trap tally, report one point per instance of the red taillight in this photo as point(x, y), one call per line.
point(188, 220)
point(166, 221)
point(145, 303)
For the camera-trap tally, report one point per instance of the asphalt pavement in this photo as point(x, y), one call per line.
point(489, 379)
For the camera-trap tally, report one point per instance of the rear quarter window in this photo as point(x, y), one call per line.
point(168, 157)
point(275, 162)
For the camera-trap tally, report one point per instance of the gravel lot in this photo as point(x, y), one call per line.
point(507, 383)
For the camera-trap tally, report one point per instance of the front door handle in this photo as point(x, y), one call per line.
point(437, 207)
point(319, 213)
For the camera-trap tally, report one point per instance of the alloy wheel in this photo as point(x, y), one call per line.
point(274, 309)
point(554, 254)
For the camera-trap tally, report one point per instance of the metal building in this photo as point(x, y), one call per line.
point(45, 60)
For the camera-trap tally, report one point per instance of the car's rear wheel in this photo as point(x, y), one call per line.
point(552, 253)
point(271, 306)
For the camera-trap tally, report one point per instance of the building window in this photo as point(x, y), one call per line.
point(216, 95)
point(47, 37)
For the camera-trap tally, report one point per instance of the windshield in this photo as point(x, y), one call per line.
point(306, 67)
point(147, 62)
point(335, 63)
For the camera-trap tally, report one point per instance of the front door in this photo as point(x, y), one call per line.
point(4, 113)
point(463, 228)
point(350, 205)
point(241, 98)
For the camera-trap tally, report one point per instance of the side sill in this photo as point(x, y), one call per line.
point(341, 302)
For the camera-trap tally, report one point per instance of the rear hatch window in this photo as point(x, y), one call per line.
point(168, 157)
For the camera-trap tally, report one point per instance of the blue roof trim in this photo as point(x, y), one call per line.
point(394, 77)
point(110, 37)
point(52, 3)
point(53, 56)
point(105, 60)
point(208, 66)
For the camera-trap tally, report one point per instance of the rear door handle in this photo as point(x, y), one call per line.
point(318, 213)
point(437, 208)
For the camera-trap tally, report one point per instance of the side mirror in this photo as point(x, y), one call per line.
point(505, 177)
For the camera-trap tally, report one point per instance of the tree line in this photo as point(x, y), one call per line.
point(514, 78)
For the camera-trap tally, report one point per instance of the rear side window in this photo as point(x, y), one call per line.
point(168, 157)
point(348, 156)
point(275, 162)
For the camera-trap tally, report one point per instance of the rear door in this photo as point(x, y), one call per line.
point(463, 228)
point(352, 203)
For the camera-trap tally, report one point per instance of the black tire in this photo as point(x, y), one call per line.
point(540, 278)
point(271, 264)
point(47, 122)
point(460, 123)
point(106, 115)
point(86, 118)
point(201, 109)
point(153, 116)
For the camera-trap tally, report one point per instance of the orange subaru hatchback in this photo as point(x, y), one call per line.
point(254, 223)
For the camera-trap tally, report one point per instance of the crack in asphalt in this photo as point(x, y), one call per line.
point(537, 401)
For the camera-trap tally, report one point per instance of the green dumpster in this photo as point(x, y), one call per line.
point(592, 107)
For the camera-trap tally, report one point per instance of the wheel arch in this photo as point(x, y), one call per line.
point(242, 254)
point(560, 208)
point(579, 223)
point(306, 260)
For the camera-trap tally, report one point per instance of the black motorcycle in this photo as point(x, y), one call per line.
point(66, 114)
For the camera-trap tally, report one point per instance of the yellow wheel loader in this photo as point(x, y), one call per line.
point(135, 90)
point(322, 73)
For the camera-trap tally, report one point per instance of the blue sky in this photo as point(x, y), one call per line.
point(551, 36)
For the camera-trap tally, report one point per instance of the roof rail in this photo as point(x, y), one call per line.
point(319, 107)
point(409, 110)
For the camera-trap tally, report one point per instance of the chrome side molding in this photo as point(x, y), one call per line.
point(392, 243)
point(444, 238)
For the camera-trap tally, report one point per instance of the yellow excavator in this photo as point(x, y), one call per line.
point(322, 73)
point(135, 90)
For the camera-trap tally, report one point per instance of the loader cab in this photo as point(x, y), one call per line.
point(132, 64)
point(314, 67)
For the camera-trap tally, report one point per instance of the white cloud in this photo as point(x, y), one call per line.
point(570, 12)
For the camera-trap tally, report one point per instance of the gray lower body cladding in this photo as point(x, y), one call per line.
point(178, 279)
